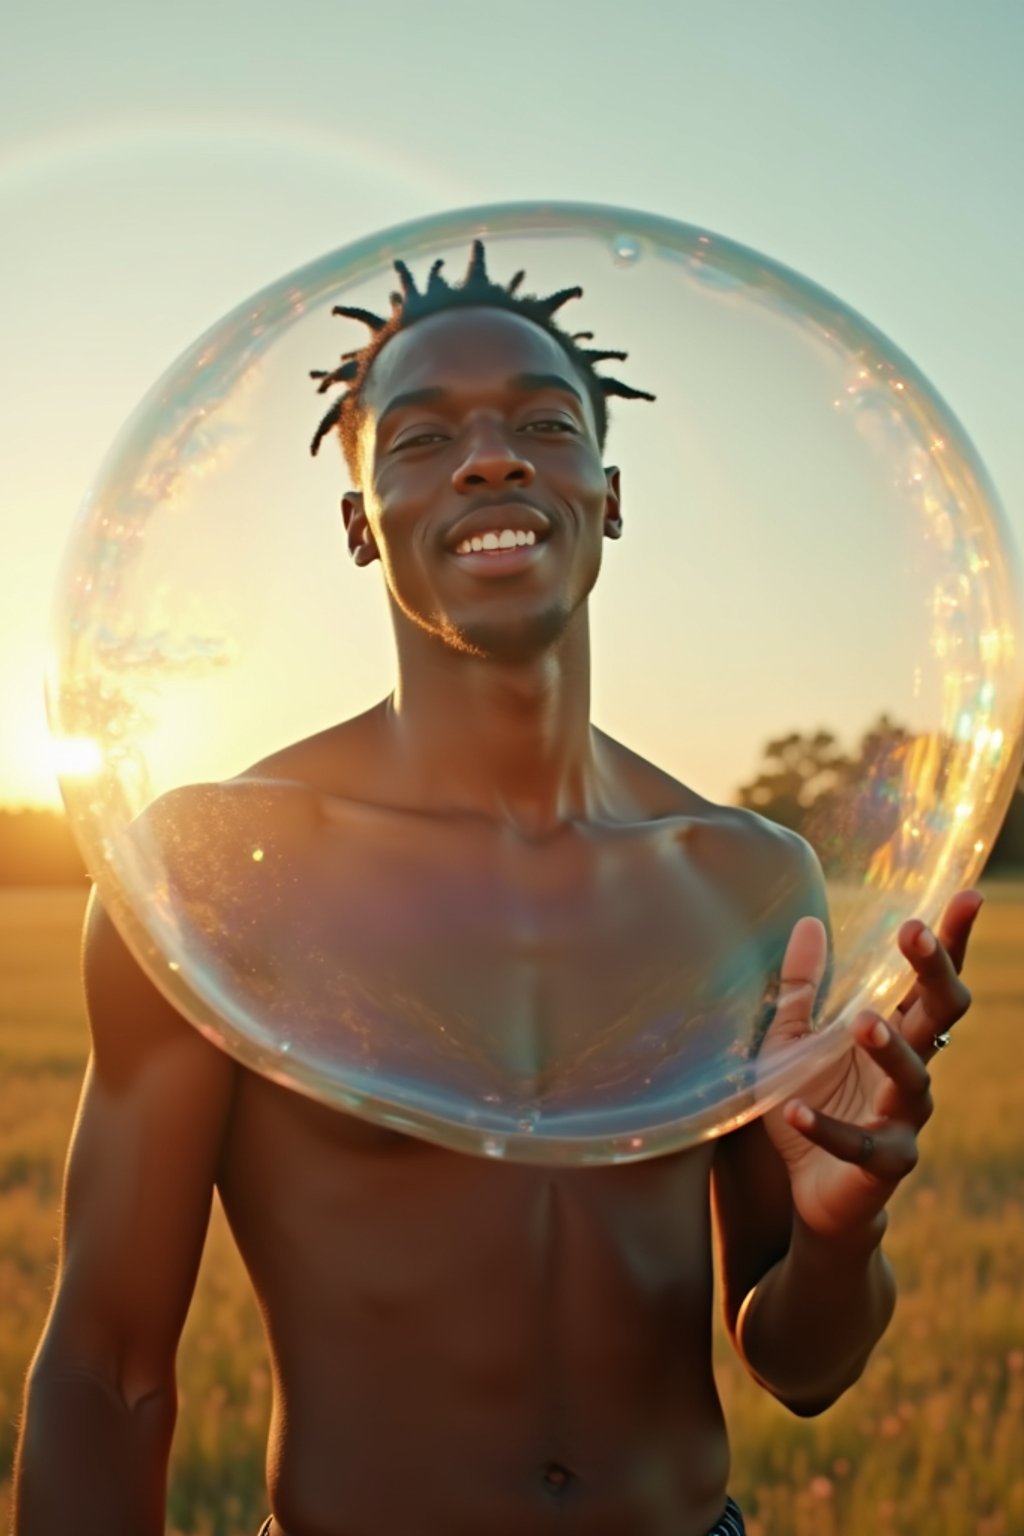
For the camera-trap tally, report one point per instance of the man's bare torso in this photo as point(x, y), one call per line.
point(462, 1345)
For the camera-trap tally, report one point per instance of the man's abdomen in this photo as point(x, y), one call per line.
point(461, 1346)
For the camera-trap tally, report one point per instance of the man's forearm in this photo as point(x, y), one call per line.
point(807, 1329)
point(87, 1463)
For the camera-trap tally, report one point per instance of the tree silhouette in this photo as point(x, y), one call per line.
point(1007, 854)
point(798, 773)
point(856, 810)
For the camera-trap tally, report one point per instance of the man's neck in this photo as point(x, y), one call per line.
point(511, 742)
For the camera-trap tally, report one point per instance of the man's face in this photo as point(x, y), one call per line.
point(476, 425)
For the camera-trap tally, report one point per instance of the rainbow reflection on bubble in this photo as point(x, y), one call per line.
point(813, 553)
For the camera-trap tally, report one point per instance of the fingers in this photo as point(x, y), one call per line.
point(954, 931)
point(803, 967)
point(886, 1154)
point(957, 923)
point(907, 1093)
point(888, 1150)
point(940, 997)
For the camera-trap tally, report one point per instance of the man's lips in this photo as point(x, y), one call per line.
point(500, 562)
point(498, 517)
point(496, 539)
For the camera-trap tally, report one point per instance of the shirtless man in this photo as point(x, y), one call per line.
point(462, 1347)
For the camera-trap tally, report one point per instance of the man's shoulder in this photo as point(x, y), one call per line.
point(286, 784)
point(343, 761)
point(761, 847)
point(771, 875)
point(200, 816)
point(768, 873)
point(209, 840)
point(739, 835)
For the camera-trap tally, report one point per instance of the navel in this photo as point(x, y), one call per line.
point(556, 1478)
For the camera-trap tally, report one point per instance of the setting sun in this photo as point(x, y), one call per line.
point(75, 756)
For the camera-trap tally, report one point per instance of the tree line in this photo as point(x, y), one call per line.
point(855, 808)
point(848, 804)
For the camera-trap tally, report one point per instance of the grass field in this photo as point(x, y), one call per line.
point(930, 1443)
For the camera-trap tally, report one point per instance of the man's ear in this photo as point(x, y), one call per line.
point(361, 545)
point(613, 505)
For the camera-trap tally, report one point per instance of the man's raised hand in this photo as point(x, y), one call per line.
point(850, 1136)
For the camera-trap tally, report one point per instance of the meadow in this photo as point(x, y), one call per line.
point(930, 1441)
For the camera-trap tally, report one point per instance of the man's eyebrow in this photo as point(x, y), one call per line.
point(529, 381)
point(433, 394)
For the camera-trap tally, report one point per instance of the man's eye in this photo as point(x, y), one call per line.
point(548, 421)
point(421, 437)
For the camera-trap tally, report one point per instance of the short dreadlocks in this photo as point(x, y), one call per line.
point(476, 289)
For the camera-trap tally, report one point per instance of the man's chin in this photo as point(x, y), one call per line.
point(514, 642)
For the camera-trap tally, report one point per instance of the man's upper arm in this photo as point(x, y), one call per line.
point(140, 1176)
point(750, 1185)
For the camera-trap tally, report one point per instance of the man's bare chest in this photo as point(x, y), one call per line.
point(400, 944)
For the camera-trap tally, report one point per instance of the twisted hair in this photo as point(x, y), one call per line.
point(476, 289)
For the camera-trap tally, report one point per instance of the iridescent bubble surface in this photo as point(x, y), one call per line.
point(814, 608)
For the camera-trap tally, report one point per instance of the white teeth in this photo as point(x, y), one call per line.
point(504, 538)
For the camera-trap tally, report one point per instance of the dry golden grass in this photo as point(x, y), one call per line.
point(930, 1441)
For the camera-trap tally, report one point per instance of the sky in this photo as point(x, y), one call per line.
point(158, 165)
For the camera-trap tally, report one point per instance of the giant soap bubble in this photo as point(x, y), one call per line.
point(813, 609)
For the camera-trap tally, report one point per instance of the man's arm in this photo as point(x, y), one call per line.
point(101, 1401)
point(803, 1312)
point(801, 1195)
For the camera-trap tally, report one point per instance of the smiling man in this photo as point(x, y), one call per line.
point(465, 1348)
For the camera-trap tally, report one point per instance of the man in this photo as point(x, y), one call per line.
point(462, 1347)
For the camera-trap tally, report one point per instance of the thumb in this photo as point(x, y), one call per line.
point(803, 968)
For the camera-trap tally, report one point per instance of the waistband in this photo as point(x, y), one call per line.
point(730, 1523)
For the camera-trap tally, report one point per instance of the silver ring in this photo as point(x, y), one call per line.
point(939, 1042)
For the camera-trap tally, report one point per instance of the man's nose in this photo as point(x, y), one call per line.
point(492, 462)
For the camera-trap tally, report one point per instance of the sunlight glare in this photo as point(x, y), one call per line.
point(75, 756)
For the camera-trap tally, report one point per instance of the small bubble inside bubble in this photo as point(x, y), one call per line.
point(286, 1045)
point(625, 250)
point(494, 1146)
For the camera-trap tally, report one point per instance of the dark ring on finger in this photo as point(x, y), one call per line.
point(939, 1042)
point(867, 1149)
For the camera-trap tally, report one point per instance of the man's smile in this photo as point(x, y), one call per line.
point(500, 552)
point(498, 517)
point(507, 538)
point(499, 538)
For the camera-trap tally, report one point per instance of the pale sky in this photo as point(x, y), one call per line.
point(158, 165)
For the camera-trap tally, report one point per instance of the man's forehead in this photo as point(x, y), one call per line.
point(467, 344)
